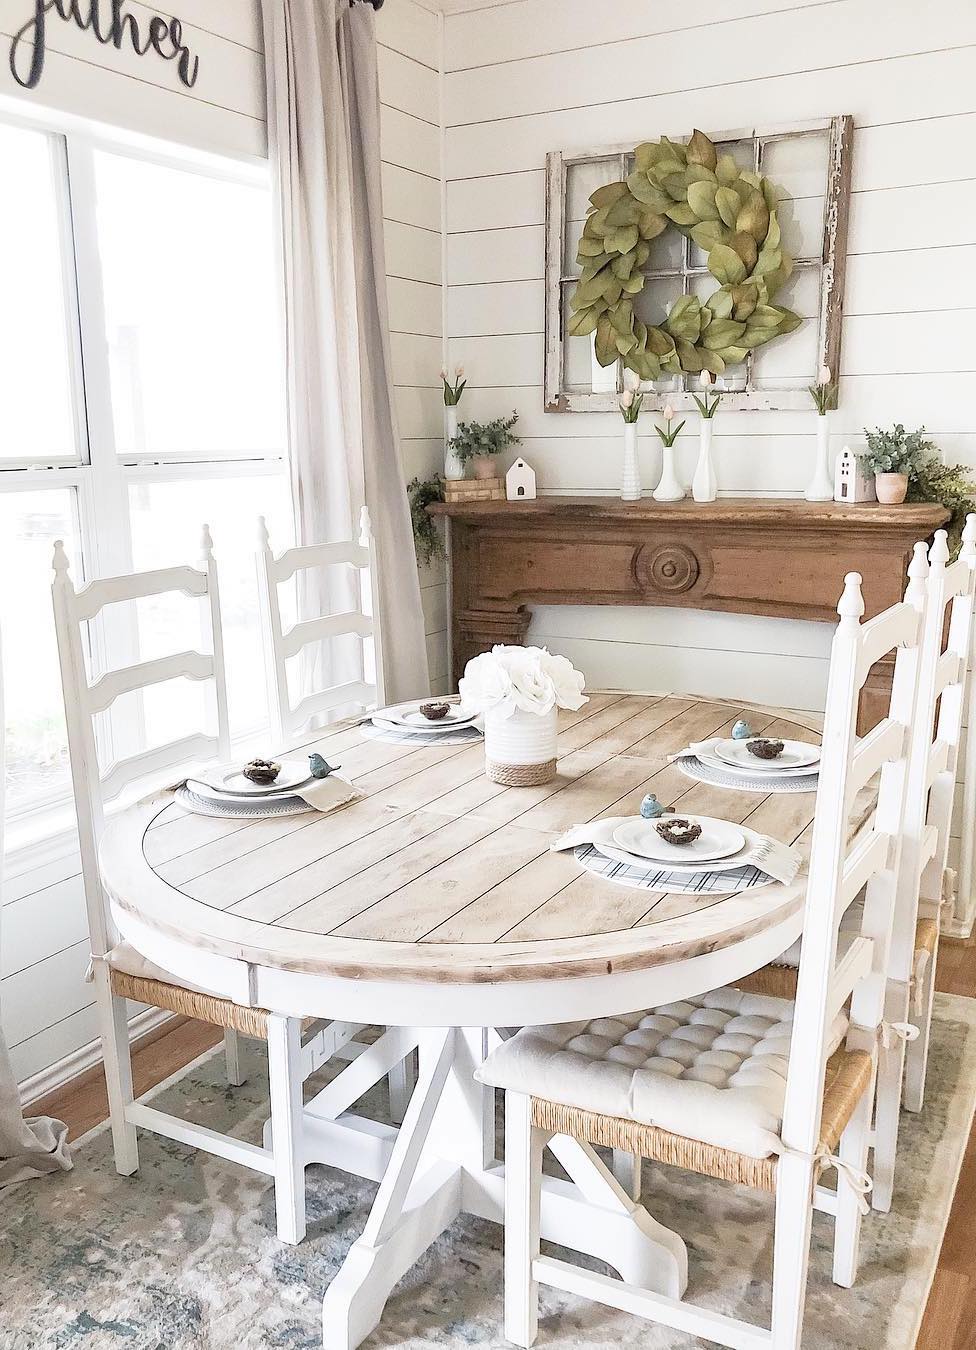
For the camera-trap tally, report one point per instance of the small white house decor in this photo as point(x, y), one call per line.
point(520, 691)
point(851, 482)
point(520, 482)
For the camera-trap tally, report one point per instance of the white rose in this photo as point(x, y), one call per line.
point(486, 684)
point(567, 681)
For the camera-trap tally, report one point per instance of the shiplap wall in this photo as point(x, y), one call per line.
point(530, 76)
point(47, 1009)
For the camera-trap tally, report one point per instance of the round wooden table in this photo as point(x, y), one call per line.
point(435, 908)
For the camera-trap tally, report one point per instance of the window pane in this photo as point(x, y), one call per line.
point(35, 387)
point(166, 521)
point(36, 751)
point(194, 335)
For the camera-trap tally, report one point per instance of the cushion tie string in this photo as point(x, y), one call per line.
point(858, 1180)
point(922, 959)
point(898, 1031)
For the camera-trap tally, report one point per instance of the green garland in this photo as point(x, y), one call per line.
point(426, 536)
point(730, 213)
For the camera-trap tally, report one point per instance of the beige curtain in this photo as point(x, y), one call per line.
point(324, 133)
point(28, 1148)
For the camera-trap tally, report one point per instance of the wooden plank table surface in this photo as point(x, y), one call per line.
point(439, 874)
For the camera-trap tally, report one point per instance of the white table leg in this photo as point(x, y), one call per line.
point(442, 1164)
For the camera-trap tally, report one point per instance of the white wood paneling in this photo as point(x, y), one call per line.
point(532, 76)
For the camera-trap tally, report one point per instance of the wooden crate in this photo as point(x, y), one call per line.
point(474, 490)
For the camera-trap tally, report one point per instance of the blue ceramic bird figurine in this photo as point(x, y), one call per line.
point(741, 731)
point(321, 768)
point(651, 808)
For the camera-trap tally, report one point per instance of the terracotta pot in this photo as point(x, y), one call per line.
point(484, 466)
point(892, 488)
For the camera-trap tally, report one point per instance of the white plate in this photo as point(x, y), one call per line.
point(414, 720)
point(229, 779)
point(408, 715)
point(218, 795)
point(796, 755)
point(718, 839)
point(430, 732)
point(758, 775)
point(602, 839)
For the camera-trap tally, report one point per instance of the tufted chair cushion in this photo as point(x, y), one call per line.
point(711, 1068)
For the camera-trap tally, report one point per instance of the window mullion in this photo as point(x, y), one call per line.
point(107, 531)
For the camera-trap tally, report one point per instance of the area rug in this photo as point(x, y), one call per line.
point(183, 1256)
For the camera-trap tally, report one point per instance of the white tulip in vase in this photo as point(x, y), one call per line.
point(704, 485)
point(519, 690)
point(630, 483)
point(453, 389)
point(824, 394)
point(669, 489)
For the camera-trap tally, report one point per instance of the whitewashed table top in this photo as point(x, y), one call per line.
point(440, 875)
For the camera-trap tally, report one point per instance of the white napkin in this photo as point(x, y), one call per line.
point(696, 748)
point(329, 794)
point(777, 860)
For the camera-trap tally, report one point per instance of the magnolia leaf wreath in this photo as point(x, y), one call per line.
point(730, 213)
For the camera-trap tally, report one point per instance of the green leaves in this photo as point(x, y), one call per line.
point(726, 266)
point(730, 214)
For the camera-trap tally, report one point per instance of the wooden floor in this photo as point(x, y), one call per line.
point(950, 1318)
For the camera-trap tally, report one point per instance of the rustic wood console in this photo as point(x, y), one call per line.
point(746, 555)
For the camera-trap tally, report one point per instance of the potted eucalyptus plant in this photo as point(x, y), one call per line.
point(478, 443)
point(894, 456)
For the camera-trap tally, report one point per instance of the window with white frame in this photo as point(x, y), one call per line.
point(141, 394)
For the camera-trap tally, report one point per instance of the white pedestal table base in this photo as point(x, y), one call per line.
point(441, 1164)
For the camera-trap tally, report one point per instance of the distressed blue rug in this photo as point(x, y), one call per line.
point(183, 1256)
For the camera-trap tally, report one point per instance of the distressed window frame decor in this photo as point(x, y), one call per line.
point(831, 262)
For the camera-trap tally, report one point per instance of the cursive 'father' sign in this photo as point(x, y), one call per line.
point(110, 26)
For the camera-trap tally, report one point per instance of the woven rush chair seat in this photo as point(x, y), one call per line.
point(848, 1078)
point(700, 1083)
point(778, 979)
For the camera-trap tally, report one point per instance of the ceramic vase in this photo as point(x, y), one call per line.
point(630, 483)
point(821, 486)
point(892, 488)
point(520, 750)
point(669, 489)
point(453, 468)
point(704, 486)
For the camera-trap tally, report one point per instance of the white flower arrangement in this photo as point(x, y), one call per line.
point(507, 680)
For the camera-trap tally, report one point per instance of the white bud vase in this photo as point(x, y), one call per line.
point(453, 468)
point(669, 489)
point(630, 483)
point(520, 750)
point(821, 485)
point(704, 485)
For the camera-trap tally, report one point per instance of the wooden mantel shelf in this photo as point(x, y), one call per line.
point(747, 555)
point(922, 517)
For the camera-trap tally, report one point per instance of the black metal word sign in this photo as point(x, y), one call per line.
point(110, 26)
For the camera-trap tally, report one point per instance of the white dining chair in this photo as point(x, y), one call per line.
point(290, 718)
point(944, 592)
point(119, 971)
point(749, 1088)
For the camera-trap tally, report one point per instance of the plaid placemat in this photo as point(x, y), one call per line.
point(420, 738)
point(657, 878)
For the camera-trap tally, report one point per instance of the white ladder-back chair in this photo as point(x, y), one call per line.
point(288, 719)
point(822, 1088)
point(942, 591)
point(120, 972)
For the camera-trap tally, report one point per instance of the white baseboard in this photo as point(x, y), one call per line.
point(89, 1056)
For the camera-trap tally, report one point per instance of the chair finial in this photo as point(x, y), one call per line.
point(60, 562)
point(918, 572)
point(968, 550)
point(206, 545)
point(365, 529)
point(264, 538)
point(939, 553)
point(851, 604)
